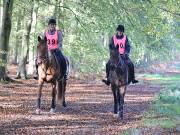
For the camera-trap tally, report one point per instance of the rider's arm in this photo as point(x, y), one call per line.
point(111, 43)
point(60, 40)
point(127, 46)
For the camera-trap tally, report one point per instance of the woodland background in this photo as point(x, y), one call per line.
point(152, 27)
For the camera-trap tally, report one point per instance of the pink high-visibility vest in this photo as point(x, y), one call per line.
point(121, 43)
point(52, 40)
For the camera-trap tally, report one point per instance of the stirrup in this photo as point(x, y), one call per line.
point(107, 82)
point(134, 81)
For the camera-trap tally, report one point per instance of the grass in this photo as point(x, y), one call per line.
point(165, 109)
point(162, 79)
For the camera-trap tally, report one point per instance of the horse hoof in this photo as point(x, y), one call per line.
point(116, 116)
point(53, 110)
point(64, 104)
point(38, 111)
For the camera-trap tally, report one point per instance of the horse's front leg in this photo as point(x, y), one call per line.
point(40, 84)
point(114, 90)
point(53, 103)
point(121, 94)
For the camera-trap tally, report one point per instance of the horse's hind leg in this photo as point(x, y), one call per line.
point(64, 90)
point(61, 92)
point(40, 84)
point(53, 103)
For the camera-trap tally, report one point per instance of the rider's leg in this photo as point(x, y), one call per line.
point(67, 68)
point(62, 62)
point(107, 82)
point(131, 67)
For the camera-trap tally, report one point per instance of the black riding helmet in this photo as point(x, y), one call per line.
point(120, 28)
point(52, 21)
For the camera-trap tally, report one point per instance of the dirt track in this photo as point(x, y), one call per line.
point(89, 109)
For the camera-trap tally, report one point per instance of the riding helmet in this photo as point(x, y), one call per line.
point(52, 21)
point(120, 28)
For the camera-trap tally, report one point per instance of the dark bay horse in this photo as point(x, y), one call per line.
point(51, 72)
point(119, 79)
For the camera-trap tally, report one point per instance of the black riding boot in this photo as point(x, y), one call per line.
point(35, 73)
point(107, 82)
point(131, 66)
point(64, 67)
point(65, 71)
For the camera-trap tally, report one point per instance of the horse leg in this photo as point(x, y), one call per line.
point(64, 90)
point(40, 84)
point(114, 90)
point(61, 92)
point(53, 103)
point(120, 103)
point(121, 100)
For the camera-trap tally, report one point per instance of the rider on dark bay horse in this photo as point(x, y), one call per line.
point(124, 49)
point(54, 42)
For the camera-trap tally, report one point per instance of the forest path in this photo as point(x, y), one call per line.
point(89, 108)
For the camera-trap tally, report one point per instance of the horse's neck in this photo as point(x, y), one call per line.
point(50, 57)
point(117, 59)
point(120, 61)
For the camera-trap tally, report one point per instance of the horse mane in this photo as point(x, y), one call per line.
point(115, 56)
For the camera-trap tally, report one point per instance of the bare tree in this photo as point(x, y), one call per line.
point(32, 46)
point(4, 36)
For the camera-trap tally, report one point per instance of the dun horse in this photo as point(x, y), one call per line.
point(50, 71)
point(119, 79)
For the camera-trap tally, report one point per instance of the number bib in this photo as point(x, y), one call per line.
point(52, 40)
point(121, 43)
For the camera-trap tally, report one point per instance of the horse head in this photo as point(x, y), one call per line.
point(115, 57)
point(42, 49)
point(117, 64)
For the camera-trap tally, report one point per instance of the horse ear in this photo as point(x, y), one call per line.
point(117, 47)
point(39, 38)
point(45, 38)
point(110, 47)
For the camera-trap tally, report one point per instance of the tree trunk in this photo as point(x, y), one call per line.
point(33, 46)
point(25, 47)
point(17, 42)
point(4, 37)
point(104, 39)
point(61, 13)
point(1, 13)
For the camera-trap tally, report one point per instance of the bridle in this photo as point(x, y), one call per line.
point(43, 58)
point(116, 61)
